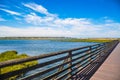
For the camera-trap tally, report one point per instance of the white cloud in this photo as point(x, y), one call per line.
point(38, 20)
point(91, 30)
point(53, 26)
point(10, 12)
point(16, 18)
point(38, 8)
point(1, 19)
point(32, 31)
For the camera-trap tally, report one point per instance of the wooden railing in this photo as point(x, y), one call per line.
point(79, 63)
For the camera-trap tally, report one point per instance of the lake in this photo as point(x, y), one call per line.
point(36, 47)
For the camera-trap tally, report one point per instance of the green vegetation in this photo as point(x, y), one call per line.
point(31, 38)
point(11, 55)
point(87, 40)
point(66, 39)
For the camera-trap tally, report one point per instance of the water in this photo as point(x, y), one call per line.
point(36, 47)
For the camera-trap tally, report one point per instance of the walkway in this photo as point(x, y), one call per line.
point(110, 69)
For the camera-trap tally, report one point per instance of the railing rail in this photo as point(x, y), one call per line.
point(79, 63)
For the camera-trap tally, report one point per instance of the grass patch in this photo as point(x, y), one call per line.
point(11, 55)
point(86, 40)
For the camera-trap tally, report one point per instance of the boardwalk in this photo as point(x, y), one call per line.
point(75, 64)
point(110, 69)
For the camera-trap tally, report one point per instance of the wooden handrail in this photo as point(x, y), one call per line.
point(69, 64)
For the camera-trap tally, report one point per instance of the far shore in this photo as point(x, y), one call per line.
point(63, 39)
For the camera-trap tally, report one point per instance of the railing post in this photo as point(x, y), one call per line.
point(0, 71)
point(90, 50)
point(103, 48)
point(99, 50)
point(70, 64)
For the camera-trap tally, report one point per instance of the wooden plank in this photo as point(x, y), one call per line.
point(110, 69)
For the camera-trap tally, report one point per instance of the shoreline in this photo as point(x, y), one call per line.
point(63, 39)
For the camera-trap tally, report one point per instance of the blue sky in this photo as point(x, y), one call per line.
point(60, 18)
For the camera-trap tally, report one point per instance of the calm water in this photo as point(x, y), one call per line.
point(36, 47)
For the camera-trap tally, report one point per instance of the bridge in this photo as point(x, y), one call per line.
point(75, 64)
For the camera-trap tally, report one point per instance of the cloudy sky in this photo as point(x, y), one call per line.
point(60, 18)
